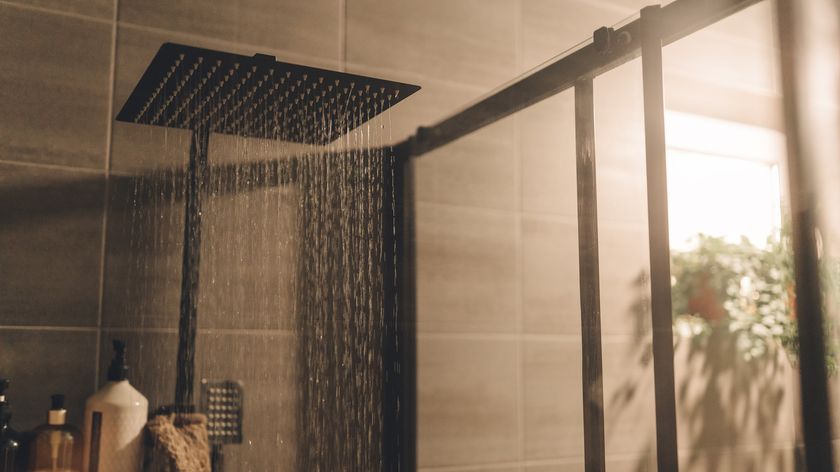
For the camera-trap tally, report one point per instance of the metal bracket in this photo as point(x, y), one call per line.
point(607, 40)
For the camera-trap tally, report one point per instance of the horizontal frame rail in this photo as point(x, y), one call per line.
point(679, 19)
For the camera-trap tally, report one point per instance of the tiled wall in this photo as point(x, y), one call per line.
point(499, 347)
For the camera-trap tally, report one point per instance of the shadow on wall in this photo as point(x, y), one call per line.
point(732, 413)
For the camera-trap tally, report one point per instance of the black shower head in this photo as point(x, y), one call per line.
point(193, 88)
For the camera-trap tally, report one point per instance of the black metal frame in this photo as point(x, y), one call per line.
point(590, 290)
point(645, 37)
point(801, 166)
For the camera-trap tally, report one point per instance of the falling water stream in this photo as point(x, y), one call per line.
point(291, 285)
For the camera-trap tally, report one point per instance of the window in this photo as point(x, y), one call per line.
point(723, 180)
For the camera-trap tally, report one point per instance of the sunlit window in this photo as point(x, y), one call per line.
point(723, 180)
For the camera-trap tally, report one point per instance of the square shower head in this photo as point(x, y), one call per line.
point(260, 97)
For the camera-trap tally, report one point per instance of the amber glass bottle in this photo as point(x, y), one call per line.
point(56, 446)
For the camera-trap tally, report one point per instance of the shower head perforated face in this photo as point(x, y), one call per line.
point(194, 88)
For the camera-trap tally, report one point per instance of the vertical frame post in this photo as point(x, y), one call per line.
point(188, 323)
point(590, 294)
point(801, 159)
point(407, 308)
point(399, 386)
point(660, 252)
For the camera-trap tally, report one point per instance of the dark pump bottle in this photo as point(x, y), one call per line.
point(9, 442)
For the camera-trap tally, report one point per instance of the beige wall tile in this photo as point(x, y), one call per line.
point(780, 459)
point(265, 363)
point(550, 27)
point(95, 8)
point(52, 240)
point(305, 28)
point(629, 414)
point(550, 272)
point(477, 171)
point(553, 404)
point(625, 285)
point(619, 118)
point(40, 363)
point(718, 58)
point(56, 90)
point(726, 401)
point(621, 464)
point(466, 270)
point(470, 42)
point(144, 248)
point(467, 389)
point(547, 144)
point(552, 401)
point(249, 259)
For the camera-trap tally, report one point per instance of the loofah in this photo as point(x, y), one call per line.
point(181, 440)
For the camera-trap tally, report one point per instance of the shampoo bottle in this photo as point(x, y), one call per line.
point(115, 417)
point(9, 445)
point(56, 446)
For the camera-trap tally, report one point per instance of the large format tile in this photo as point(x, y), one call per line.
point(470, 42)
point(95, 8)
point(55, 91)
point(547, 144)
point(550, 285)
point(266, 366)
point(473, 468)
point(725, 401)
point(553, 399)
point(629, 411)
point(477, 171)
point(644, 463)
point(619, 117)
point(721, 59)
point(467, 391)
point(143, 253)
point(249, 259)
point(625, 279)
point(304, 28)
point(466, 270)
point(553, 405)
point(41, 363)
point(550, 27)
point(52, 239)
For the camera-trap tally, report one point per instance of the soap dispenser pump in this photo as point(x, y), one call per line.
point(9, 442)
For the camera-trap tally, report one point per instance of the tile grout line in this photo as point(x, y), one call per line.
point(342, 35)
point(51, 11)
point(69, 329)
point(518, 244)
point(553, 217)
point(107, 192)
point(43, 165)
point(530, 337)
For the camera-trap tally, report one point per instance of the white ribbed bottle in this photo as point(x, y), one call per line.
point(115, 417)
